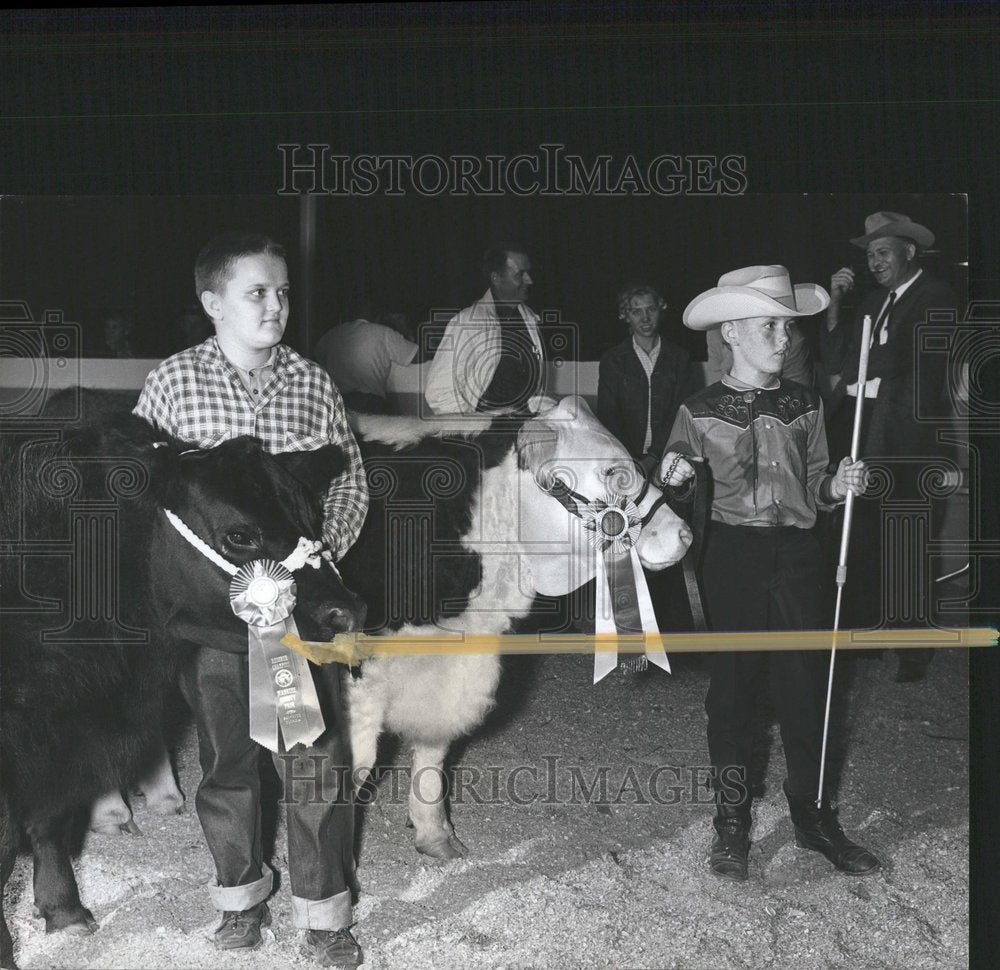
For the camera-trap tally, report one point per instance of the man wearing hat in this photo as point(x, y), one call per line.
point(765, 444)
point(893, 396)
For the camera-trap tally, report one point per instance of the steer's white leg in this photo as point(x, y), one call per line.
point(160, 787)
point(366, 712)
point(109, 813)
point(435, 836)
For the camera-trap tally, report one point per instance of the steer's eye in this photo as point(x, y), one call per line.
point(620, 478)
point(241, 539)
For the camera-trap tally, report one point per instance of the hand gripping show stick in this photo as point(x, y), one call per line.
point(845, 538)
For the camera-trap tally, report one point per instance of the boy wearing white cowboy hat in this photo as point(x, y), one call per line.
point(765, 445)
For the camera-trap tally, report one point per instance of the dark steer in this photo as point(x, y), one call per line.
point(461, 535)
point(100, 599)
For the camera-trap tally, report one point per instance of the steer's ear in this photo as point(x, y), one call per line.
point(536, 449)
point(314, 469)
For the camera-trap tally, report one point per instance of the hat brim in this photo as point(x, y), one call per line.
point(722, 303)
point(921, 235)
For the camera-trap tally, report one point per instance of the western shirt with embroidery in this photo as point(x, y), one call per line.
point(198, 396)
point(766, 450)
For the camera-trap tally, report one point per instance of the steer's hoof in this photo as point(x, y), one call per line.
point(109, 828)
point(109, 814)
point(77, 922)
point(443, 850)
point(170, 804)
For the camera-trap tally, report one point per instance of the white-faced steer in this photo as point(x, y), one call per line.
point(462, 533)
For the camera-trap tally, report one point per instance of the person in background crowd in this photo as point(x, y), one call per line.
point(894, 399)
point(491, 357)
point(399, 322)
point(643, 380)
point(764, 441)
point(358, 356)
point(191, 327)
point(118, 335)
point(641, 383)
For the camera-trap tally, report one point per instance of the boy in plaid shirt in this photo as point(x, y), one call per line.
point(245, 381)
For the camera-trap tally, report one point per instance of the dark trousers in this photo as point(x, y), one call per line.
point(316, 781)
point(877, 592)
point(764, 579)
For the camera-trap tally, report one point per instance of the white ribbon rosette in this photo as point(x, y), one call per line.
point(262, 593)
point(282, 692)
point(623, 605)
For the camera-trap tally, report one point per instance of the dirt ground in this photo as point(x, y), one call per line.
point(564, 872)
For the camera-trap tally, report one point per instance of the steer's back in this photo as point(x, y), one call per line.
point(81, 689)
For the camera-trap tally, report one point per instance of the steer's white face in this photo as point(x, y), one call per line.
point(569, 444)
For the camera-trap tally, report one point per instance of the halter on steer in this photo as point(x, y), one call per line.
point(282, 692)
point(623, 604)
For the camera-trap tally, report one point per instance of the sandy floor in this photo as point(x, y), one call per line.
point(564, 873)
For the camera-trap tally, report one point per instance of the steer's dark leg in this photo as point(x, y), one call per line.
point(56, 896)
point(8, 853)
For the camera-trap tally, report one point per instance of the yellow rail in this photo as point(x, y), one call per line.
point(351, 648)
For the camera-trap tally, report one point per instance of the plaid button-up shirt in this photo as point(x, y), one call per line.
point(197, 396)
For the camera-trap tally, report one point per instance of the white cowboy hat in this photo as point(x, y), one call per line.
point(880, 224)
point(754, 291)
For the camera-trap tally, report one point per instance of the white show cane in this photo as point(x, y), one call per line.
point(845, 538)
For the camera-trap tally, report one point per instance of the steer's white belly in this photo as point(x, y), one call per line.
point(437, 699)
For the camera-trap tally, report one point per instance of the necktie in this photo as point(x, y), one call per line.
point(883, 319)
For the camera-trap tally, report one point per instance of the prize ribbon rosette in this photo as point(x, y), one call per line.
point(282, 693)
point(623, 604)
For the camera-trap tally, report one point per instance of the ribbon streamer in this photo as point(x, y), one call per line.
point(623, 605)
point(262, 593)
point(282, 692)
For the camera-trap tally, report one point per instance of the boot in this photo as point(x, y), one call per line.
point(819, 830)
point(731, 844)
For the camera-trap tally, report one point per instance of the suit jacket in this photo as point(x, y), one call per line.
point(894, 429)
point(468, 355)
point(623, 393)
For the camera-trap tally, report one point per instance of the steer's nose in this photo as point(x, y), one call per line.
point(344, 618)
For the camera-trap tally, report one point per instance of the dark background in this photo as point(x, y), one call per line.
point(820, 98)
point(90, 256)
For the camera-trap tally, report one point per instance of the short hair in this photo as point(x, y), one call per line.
point(213, 268)
point(626, 296)
point(495, 258)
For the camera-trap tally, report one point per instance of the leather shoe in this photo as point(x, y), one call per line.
point(819, 830)
point(730, 847)
point(240, 929)
point(332, 948)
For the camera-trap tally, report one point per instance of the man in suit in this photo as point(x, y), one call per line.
point(491, 356)
point(893, 396)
